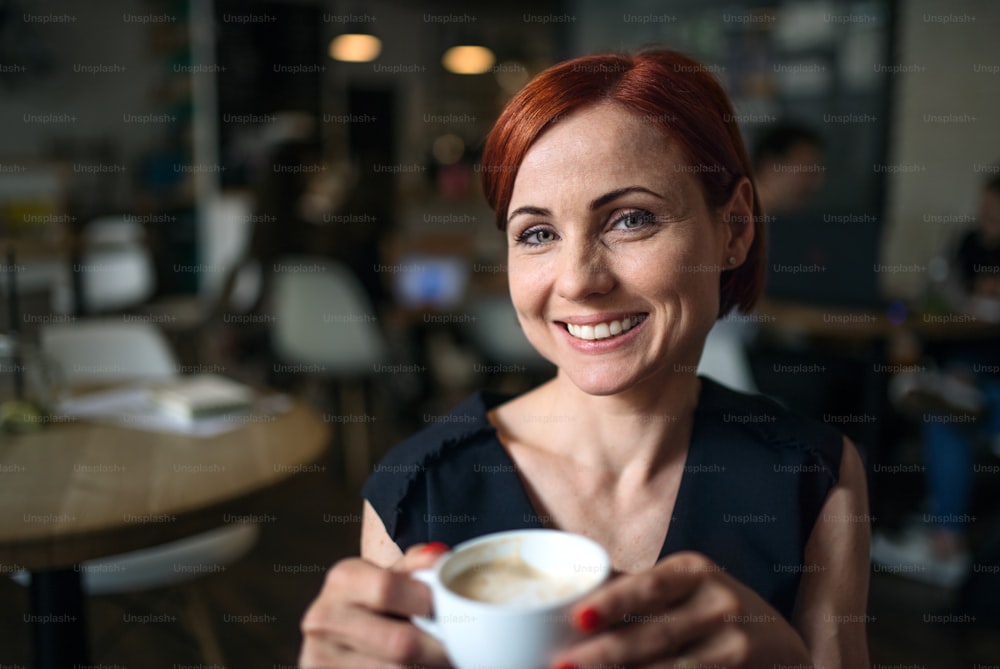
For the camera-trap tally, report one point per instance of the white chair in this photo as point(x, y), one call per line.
point(323, 316)
point(187, 319)
point(108, 351)
point(325, 320)
point(499, 336)
point(112, 231)
point(236, 287)
point(116, 278)
point(115, 268)
point(103, 351)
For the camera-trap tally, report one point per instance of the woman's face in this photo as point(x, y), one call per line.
point(613, 255)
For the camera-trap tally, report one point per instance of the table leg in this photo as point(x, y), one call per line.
point(59, 626)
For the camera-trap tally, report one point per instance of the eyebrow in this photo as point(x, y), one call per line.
point(595, 204)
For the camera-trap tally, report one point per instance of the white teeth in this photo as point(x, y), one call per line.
point(603, 330)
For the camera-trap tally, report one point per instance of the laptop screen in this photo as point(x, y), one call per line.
point(430, 281)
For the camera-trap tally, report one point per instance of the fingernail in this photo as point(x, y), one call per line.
point(587, 620)
point(433, 547)
point(564, 665)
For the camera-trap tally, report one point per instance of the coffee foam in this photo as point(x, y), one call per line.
point(512, 581)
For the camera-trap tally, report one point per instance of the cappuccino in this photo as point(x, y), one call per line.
point(512, 581)
point(502, 600)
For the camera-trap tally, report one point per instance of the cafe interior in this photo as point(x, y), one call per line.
point(246, 251)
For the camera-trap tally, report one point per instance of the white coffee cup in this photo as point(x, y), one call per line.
point(527, 630)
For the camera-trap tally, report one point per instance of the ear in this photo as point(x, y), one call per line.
point(738, 225)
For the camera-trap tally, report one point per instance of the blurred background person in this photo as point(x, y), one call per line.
point(957, 401)
point(788, 172)
point(788, 167)
point(979, 250)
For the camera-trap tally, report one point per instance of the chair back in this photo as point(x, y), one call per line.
point(116, 278)
point(500, 337)
point(112, 231)
point(108, 350)
point(324, 317)
point(115, 269)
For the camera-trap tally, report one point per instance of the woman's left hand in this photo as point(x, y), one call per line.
point(683, 612)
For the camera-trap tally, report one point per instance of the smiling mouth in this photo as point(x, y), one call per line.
point(604, 330)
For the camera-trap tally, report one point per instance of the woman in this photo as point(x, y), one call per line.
point(739, 529)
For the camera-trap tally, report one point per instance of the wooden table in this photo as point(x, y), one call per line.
point(78, 491)
point(866, 324)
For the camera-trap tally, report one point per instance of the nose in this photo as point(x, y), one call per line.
point(583, 271)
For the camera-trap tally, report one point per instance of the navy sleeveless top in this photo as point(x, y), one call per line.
point(754, 482)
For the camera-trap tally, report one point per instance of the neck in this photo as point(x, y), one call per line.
point(635, 434)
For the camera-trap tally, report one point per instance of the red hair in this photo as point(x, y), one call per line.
point(664, 87)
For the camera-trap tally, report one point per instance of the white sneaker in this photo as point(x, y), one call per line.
point(919, 393)
point(910, 556)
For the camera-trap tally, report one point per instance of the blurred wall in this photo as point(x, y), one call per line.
point(944, 131)
point(62, 101)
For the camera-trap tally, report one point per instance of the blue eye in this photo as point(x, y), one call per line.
point(633, 220)
point(536, 236)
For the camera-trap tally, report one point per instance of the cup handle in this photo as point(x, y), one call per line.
point(427, 624)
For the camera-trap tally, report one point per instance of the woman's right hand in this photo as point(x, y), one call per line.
point(360, 619)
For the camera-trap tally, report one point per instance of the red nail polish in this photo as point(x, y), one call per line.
point(564, 665)
point(434, 547)
point(587, 620)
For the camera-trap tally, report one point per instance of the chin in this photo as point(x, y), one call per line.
point(602, 383)
point(612, 380)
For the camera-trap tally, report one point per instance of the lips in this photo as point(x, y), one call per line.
point(604, 329)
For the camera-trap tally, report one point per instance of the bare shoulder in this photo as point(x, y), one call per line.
point(376, 545)
point(845, 515)
point(833, 595)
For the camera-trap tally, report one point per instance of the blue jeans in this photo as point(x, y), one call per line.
point(949, 455)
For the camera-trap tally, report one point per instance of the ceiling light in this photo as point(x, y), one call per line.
point(355, 48)
point(468, 59)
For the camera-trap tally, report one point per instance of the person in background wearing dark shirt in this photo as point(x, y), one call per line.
point(979, 250)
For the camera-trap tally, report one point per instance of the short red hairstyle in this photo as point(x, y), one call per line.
point(664, 87)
